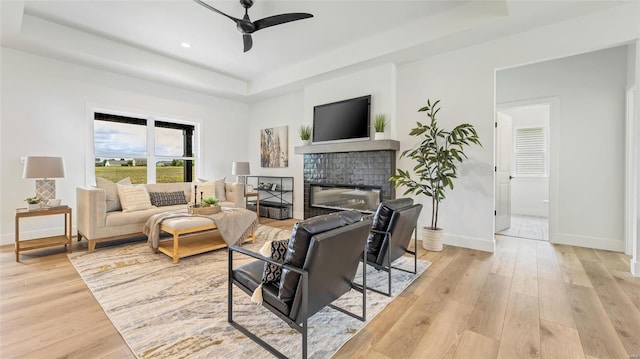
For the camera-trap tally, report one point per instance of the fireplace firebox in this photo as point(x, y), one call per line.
point(338, 196)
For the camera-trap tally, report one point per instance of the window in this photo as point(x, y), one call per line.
point(530, 152)
point(124, 146)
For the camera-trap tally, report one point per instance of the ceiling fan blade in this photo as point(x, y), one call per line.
point(248, 42)
point(216, 10)
point(280, 19)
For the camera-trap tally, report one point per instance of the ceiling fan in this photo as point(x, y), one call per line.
point(248, 27)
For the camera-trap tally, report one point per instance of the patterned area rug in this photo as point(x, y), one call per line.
point(164, 310)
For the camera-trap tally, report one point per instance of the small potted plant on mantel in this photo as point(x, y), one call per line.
point(436, 157)
point(379, 124)
point(305, 134)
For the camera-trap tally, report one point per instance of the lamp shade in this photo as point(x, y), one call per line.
point(43, 167)
point(240, 168)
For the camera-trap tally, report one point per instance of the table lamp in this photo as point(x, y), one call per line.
point(44, 168)
point(241, 170)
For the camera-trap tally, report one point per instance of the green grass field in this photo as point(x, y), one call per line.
point(164, 174)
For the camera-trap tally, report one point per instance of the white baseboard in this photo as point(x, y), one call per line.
point(470, 242)
point(589, 242)
point(635, 268)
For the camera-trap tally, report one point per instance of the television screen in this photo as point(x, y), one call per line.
point(346, 120)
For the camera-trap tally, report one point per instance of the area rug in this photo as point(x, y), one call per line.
point(164, 310)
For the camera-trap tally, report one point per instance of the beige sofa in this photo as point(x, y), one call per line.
point(97, 225)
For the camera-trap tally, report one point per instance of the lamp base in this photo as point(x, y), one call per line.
point(46, 189)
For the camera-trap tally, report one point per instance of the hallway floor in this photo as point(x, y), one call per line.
point(531, 227)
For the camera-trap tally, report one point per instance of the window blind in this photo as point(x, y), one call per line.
point(530, 151)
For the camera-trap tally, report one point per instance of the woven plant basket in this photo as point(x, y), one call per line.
point(432, 239)
point(205, 210)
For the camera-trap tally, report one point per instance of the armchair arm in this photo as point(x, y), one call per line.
point(260, 257)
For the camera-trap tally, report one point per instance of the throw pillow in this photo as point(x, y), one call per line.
point(210, 188)
point(160, 199)
point(274, 250)
point(271, 273)
point(134, 198)
point(111, 191)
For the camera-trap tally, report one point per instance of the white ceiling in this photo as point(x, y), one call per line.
point(142, 38)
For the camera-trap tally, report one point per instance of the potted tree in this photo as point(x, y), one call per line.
point(305, 134)
point(379, 124)
point(437, 156)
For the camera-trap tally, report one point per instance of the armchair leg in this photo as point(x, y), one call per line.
point(230, 287)
point(415, 250)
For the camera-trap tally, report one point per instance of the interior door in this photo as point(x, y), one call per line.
point(503, 171)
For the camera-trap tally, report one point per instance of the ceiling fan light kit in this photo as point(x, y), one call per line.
point(248, 27)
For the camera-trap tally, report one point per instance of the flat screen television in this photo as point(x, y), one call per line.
point(342, 121)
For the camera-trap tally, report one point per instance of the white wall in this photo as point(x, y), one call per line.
point(285, 110)
point(44, 112)
point(464, 81)
point(589, 152)
point(378, 82)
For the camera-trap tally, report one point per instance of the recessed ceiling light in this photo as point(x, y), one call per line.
point(186, 45)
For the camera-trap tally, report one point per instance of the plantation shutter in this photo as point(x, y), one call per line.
point(530, 151)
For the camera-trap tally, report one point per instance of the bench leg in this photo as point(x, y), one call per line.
point(175, 249)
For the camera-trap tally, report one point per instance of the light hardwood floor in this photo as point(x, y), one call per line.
point(530, 299)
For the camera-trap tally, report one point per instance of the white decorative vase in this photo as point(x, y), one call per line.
point(306, 142)
point(432, 239)
point(33, 206)
point(379, 136)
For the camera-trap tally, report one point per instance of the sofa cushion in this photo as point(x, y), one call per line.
point(161, 199)
point(111, 191)
point(299, 245)
point(120, 219)
point(134, 198)
point(210, 188)
point(381, 222)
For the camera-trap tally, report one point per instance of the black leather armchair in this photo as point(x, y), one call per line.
point(319, 266)
point(390, 235)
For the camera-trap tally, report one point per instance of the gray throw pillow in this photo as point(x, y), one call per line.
point(111, 191)
point(160, 199)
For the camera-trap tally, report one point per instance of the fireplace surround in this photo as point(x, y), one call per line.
point(361, 164)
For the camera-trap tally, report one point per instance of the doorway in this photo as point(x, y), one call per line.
point(522, 170)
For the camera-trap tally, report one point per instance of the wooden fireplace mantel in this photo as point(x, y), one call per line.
point(358, 146)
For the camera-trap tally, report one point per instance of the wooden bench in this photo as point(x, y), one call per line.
point(191, 236)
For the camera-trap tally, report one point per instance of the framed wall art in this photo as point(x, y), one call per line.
point(274, 147)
